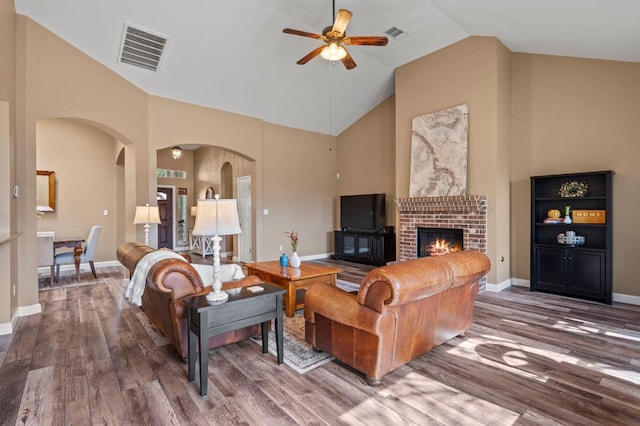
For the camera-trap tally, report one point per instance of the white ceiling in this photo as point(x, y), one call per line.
point(232, 55)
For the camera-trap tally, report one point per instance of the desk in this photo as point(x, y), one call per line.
point(243, 308)
point(294, 280)
point(76, 244)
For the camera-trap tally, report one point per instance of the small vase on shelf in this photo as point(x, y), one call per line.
point(294, 260)
point(567, 217)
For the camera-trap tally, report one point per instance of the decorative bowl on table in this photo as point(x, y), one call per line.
point(576, 240)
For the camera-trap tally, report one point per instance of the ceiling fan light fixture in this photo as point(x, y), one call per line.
point(176, 152)
point(333, 51)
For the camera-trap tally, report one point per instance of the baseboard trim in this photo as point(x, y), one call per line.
point(316, 256)
point(519, 282)
point(626, 298)
point(84, 267)
point(496, 288)
point(25, 311)
point(22, 311)
point(6, 328)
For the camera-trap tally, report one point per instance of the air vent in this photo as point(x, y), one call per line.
point(396, 33)
point(141, 48)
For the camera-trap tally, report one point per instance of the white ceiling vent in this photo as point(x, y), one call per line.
point(141, 48)
point(396, 33)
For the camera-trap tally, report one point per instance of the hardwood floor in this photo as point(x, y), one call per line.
point(529, 358)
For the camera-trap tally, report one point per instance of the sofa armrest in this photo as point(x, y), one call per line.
point(339, 306)
point(176, 277)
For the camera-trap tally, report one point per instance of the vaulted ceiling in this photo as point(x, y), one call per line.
point(232, 55)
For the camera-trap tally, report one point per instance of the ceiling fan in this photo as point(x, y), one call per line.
point(335, 38)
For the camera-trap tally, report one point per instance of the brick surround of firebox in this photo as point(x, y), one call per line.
point(468, 213)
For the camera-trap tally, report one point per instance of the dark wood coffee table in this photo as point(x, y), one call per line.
point(294, 280)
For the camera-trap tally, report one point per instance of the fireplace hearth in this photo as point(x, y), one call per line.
point(439, 241)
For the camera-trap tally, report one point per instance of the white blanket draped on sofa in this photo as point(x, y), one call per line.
point(138, 281)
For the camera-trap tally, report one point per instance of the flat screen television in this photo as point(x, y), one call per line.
point(365, 212)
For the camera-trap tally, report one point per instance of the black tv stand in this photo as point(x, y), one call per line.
point(374, 246)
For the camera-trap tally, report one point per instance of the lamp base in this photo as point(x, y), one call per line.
point(221, 296)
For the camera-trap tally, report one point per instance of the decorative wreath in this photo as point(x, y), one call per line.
point(573, 189)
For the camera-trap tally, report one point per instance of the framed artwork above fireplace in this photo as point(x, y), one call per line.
point(439, 153)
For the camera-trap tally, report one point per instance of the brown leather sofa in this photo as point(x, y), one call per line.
point(169, 281)
point(401, 311)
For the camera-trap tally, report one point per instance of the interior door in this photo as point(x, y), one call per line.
point(165, 228)
point(244, 216)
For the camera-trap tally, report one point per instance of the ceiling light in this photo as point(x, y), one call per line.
point(333, 51)
point(176, 152)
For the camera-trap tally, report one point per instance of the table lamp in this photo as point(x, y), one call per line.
point(217, 217)
point(147, 215)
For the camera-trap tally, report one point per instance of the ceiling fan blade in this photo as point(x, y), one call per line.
point(315, 52)
point(366, 41)
point(341, 22)
point(348, 61)
point(302, 33)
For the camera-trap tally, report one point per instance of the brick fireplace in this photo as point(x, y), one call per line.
point(468, 213)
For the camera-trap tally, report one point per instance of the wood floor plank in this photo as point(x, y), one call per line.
point(529, 358)
point(93, 340)
point(50, 347)
point(43, 397)
point(105, 396)
point(13, 376)
point(129, 364)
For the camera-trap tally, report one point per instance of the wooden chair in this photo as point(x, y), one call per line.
point(87, 254)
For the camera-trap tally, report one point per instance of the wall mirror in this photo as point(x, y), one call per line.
point(45, 191)
point(183, 239)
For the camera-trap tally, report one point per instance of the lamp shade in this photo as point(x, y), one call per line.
point(217, 217)
point(147, 214)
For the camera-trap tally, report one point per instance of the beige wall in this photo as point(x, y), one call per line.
point(577, 115)
point(366, 158)
point(83, 159)
point(299, 186)
point(466, 72)
point(55, 80)
point(209, 165)
point(8, 204)
point(566, 114)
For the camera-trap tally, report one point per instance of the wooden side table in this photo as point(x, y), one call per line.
point(242, 309)
point(294, 280)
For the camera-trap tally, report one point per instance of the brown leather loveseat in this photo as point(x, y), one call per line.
point(400, 312)
point(169, 281)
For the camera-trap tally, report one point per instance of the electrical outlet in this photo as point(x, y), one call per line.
point(280, 247)
point(14, 290)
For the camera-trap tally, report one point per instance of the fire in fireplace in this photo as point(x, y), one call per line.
point(439, 241)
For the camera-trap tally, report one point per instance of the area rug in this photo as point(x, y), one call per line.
point(68, 280)
point(298, 354)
